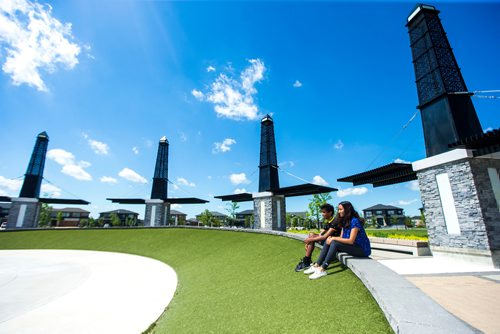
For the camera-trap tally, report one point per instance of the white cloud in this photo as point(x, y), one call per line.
point(176, 187)
point(183, 182)
point(33, 40)
point(285, 164)
point(223, 147)
point(232, 98)
point(175, 206)
point(210, 69)
point(108, 179)
point(319, 181)
point(76, 172)
point(239, 179)
point(297, 84)
point(352, 192)
point(240, 191)
point(130, 175)
point(70, 166)
point(488, 129)
point(198, 94)
point(49, 190)
point(99, 147)
point(10, 187)
point(403, 202)
point(135, 149)
point(413, 185)
point(401, 161)
point(338, 145)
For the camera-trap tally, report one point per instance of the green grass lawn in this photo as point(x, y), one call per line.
point(231, 282)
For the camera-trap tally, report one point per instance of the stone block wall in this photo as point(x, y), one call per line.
point(160, 212)
point(274, 213)
point(30, 215)
point(476, 207)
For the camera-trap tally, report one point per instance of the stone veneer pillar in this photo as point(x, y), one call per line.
point(157, 213)
point(461, 199)
point(23, 213)
point(269, 211)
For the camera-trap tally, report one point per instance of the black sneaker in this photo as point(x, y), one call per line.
point(302, 265)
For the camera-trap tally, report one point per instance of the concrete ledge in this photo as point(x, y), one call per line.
point(414, 247)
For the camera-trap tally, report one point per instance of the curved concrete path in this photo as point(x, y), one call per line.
point(70, 291)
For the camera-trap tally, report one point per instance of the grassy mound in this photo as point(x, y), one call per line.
point(231, 282)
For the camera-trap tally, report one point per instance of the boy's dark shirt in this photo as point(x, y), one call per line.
point(336, 228)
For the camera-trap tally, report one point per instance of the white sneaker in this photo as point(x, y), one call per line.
point(318, 274)
point(312, 269)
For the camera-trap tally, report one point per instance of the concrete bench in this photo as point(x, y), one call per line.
point(414, 247)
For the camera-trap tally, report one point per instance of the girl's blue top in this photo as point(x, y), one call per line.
point(361, 238)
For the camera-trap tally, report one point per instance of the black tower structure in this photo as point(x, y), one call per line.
point(447, 112)
point(160, 179)
point(268, 168)
point(158, 206)
point(34, 174)
point(24, 210)
point(269, 202)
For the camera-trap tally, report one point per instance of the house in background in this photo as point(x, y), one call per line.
point(242, 216)
point(177, 218)
point(4, 211)
point(384, 214)
point(222, 217)
point(70, 217)
point(122, 214)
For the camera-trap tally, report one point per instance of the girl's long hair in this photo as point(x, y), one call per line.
point(349, 214)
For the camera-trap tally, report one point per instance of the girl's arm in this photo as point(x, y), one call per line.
point(352, 237)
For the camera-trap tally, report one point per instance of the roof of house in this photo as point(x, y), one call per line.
point(301, 214)
point(214, 213)
point(70, 210)
point(382, 207)
point(177, 213)
point(245, 212)
point(119, 211)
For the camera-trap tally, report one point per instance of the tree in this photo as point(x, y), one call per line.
point(422, 219)
point(206, 218)
point(92, 222)
point(249, 220)
point(44, 216)
point(374, 222)
point(59, 218)
point(115, 220)
point(315, 207)
point(83, 222)
point(408, 222)
point(394, 220)
point(231, 208)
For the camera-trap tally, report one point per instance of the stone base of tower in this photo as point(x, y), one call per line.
point(23, 213)
point(461, 199)
point(157, 213)
point(269, 211)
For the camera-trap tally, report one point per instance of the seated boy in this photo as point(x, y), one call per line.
point(331, 228)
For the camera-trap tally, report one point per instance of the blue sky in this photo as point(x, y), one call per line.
point(108, 79)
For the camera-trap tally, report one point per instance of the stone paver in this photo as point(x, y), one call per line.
point(473, 299)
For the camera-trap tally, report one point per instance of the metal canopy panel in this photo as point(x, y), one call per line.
point(485, 143)
point(187, 200)
point(382, 176)
point(5, 199)
point(244, 197)
point(63, 201)
point(303, 189)
point(127, 200)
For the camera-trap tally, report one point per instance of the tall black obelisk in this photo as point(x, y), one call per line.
point(157, 209)
point(268, 167)
point(24, 210)
point(269, 208)
point(447, 117)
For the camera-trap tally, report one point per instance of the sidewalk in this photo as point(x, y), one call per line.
point(468, 291)
point(69, 291)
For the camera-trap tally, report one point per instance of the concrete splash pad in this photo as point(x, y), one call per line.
point(70, 291)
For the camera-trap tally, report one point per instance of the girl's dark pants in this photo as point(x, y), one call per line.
point(329, 251)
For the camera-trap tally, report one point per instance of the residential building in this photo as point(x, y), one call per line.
point(222, 217)
point(4, 211)
point(177, 218)
point(125, 217)
point(70, 217)
point(384, 214)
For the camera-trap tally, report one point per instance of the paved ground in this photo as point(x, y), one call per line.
point(68, 291)
point(470, 292)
